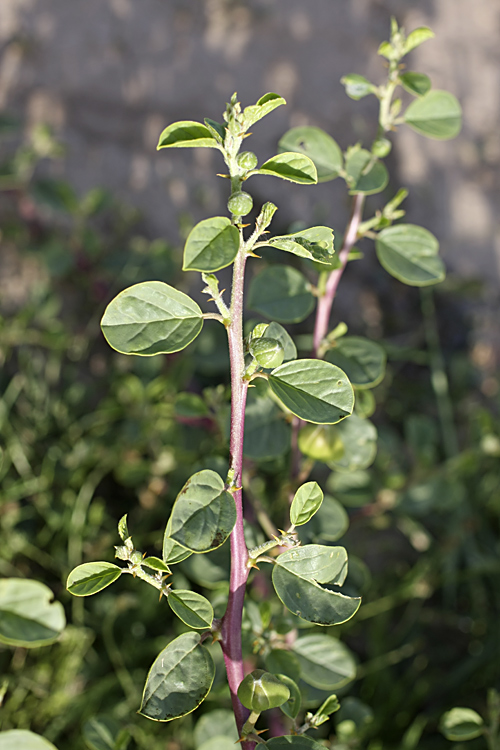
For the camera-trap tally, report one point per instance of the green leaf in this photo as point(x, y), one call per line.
point(386, 50)
point(410, 254)
point(267, 434)
point(28, 616)
point(123, 528)
point(264, 106)
point(290, 166)
point(461, 724)
point(316, 562)
point(365, 173)
point(156, 564)
point(437, 115)
point(356, 712)
point(282, 293)
point(307, 599)
point(204, 514)
point(179, 680)
point(151, 318)
point(89, 578)
point(291, 707)
point(364, 404)
point(359, 439)
point(318, 146)
point(315, 244)
point(362, 360)
point(281, 661)
point(217, 129)
point(326, 709)
point(172, 552)
point(190, 406)
point(325, 662)
point(293, 742)
point(320, 442)
point(329, 524)
point(357, 86)
point(313, 390)
point(306, 503)
point(187, 134)
point(417, 37)
point(417, 84)
point(22, 739)
point(276, 331)
point(101, 733)
point(216, 724)
point(211, 245)
point(193, 609)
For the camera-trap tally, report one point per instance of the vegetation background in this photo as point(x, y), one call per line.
point(87, 435)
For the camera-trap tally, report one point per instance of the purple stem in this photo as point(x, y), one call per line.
point(231, 622)
point(326, 301)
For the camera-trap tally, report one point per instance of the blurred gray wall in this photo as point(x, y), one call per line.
point(108, 75)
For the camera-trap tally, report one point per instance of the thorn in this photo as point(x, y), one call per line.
point(226, 176)
point(254, 255)
point(161, 594)
point(222, 291)
point(252, 564)
point(243, 226)
point(211, 299)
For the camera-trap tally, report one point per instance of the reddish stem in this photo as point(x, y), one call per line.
point(326, 301)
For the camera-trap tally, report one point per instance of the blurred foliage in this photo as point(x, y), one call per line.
point(87, 435)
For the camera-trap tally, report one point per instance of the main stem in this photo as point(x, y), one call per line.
point(326, 301)
point(231, 622)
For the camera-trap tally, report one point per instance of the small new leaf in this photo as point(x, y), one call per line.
point(306, 502)
point(123, 528)
point(187, 134)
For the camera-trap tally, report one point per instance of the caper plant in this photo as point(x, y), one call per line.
point(316, 395)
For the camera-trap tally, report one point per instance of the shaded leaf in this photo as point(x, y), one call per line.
point(313, 390)
point(327, 525)
point(186, 134)
point(281, 661)
point(215, 724)
point(211, 245)
point(365, 173)
point(28, 616)
point(362, 360)
point(151, 318)
point(436, 115)
point(281, 293)
point(101, 733)
point(306, 503)
point(276, 331)
point(320, 442)
point(204, 514)
point(318, 146)
point(267, 434)
point(192, 608)
point(89, 578)
point(290, 166)
point(325, 662)
point(359, 440)
point(291, 707)
point(410, 254)
point(461, 724)
point(417, 84)
point(179, 680)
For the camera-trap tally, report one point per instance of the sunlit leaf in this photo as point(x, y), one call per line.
point(264, 106)
point(186, 134)
point(410, 254)
point(28, 616)
point(281, 293)
point(22, 739)
point(461, 724)
point(89, 578)
point(437, 115)
point(314, 244)
point(306, 503)
point(192, 608)
point(211, 245)
point(290, 166)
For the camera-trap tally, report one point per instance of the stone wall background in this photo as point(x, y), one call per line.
point(108, 75)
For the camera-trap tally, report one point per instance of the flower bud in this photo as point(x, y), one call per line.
point(381, 147)
point(240, 204)
point(261, 690)
point(246, 160)
point(267, 352)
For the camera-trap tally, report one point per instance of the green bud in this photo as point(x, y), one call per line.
point(381, 147)
point(247, 160)
point(261, 690)
point(267, 352)
point(122, 553)
point(240, 204)
point(136, 557)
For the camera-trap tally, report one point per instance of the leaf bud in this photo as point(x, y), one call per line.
point(267, 352)
point(259, 330)
point(136, 557)
point(246, 160)
point(240, 204)
point(381, 147)
point(261, 690)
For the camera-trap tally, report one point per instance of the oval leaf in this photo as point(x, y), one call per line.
point(101, 733)
point(409, 253)
point(89, 578)
point(151, 318)
point(325, 662)
point(211, 245)
point(461, 724)
point(437, 115)
point(306, 502)
point(357, 86)
point(359, 440)
point(267, 434)
point(28, 616)
point(318, 146)
point(327, 525)
point(291, 707)
point(186, 134)
point(204, 514)
point(193, 609)
point(314, 244)
point(362, 360)
point(417, 84)
point(293, 742)
point(264, 106)
point(22, 739)
point(316, 563)
point(290, 166)
point(417, 37)
point(313, 390)
point(156, 564)
point(276, 331)
point(179, 680)
point(320, 442)
point(365, 174)
point(307, 599)
point(281, 293)
point(172, 552)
